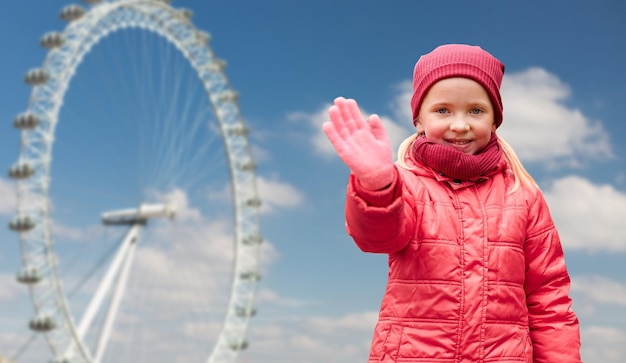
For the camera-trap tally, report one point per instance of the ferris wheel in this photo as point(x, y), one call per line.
point(168, 175)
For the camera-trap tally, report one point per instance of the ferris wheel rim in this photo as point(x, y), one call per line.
point(46, 101)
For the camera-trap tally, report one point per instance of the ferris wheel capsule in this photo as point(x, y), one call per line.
point(250, 275)
point(26, 121)
point(52, 40)
point(37, 76)
point(247, 165)
point(61, 360)
point(238, 345)
point(204, 37)
point(72, 12)
point(29, 275)
point(254, 202)
point(186, 13)
point(245, 312)
point(91, 2)
point(21, 223)
point(238, 130)
point(42, 323)
point(217, 65)
point(229, 96)
point(21, 170)
point(253, 240)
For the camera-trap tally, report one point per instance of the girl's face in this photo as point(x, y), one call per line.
point(457, 112)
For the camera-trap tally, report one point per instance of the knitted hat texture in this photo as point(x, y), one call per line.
point(458, 60)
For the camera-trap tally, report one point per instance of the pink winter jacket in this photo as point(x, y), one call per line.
point(476, 274)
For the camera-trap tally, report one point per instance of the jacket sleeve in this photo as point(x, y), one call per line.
point(554, 328)
point(379, 221)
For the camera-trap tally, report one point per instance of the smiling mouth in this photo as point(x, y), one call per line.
point(458, 141)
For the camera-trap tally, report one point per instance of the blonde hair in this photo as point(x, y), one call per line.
point(521, 176)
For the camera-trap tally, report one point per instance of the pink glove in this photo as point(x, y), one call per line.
point(361, 144)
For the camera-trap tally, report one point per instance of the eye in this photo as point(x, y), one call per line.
point(441, 110)
point(476, 111)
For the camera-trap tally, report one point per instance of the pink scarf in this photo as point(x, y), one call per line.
point(456, 164)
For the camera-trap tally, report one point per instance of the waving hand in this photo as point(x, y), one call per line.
point(362, 144)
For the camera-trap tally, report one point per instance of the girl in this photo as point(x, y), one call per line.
point(476, 268)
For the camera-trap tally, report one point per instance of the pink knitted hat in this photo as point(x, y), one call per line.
point(458, 60)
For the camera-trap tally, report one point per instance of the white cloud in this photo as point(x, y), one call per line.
point(603, 344)
point(541, 128)
point(259, 154)
point(11, 345)
point(183, 259)
point(588, 216)
point(188, 341)
point(178, 200)
point(312, 339)
point(321, 145)
point(269, 255)
point(599, 289)
point(10, 289)
point(266, 296)
point(401, 104)
point(7, 197)
point(276, 194)
point(397, 132)
point(355, 322)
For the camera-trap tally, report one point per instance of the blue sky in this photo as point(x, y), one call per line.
point(563, 94)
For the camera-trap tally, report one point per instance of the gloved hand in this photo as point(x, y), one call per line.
point(362, 144)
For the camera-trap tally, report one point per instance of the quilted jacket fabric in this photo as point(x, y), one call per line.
point(476, 274)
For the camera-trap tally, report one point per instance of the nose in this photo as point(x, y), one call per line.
point(459, 124)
